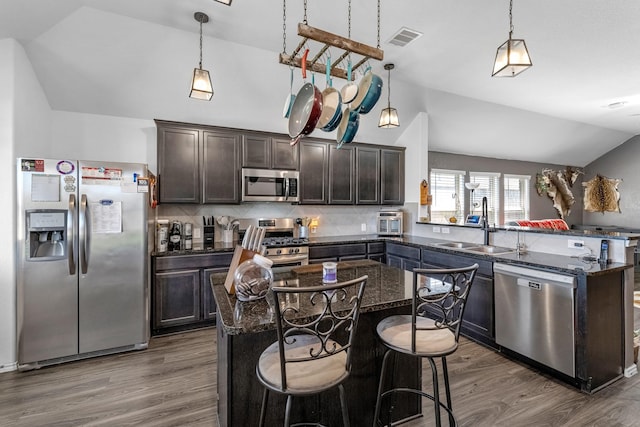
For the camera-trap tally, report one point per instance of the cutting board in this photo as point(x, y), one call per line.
point(240, 255)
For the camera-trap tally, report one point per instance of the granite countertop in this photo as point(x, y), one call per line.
point(218, 247)
point(387, 287)
point(610, 234)
point(559, 263)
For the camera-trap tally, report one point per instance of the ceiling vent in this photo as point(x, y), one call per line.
point(404, 36)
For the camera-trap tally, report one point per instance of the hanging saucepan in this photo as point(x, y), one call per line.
point(348, 126)
point(350, 90)
point(331, 104)
point(288, 103)
point(369, 90)
point(306, 109)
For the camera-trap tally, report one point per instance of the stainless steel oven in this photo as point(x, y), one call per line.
point(281, 246)
point(266, 185)
point(290, 256)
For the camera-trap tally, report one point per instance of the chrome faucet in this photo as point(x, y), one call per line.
point(484, 221)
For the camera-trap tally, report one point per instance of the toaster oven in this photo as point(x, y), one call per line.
point(390, 223)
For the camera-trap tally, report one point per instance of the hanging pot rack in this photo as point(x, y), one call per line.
point(345, 45)
point(329, 40)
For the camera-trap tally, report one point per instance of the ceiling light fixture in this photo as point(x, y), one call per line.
point(227, 2)
point(512, 57)
point(389, 116)
point(201, 83)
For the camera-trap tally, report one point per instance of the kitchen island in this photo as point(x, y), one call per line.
point(245, 329)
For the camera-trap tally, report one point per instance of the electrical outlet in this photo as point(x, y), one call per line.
point(445, 230)
point(196, 233)
point(436, 229)
point(363, 227)
point(576, 244)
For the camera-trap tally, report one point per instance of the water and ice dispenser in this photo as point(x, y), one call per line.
point(46, 234)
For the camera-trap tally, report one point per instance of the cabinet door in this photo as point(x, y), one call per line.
point(283, 155)
point(410, 264)
point(394, 261)
point(177, 298)
point(178, 165)
point(256, 151)
point(341, 174)
point(392, 177)
point(208, 302)
point(377, 257)
point(313, 172)
point(367, 176)
point(478, 315)
point(221, 167)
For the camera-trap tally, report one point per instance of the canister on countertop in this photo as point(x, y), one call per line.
point(188, 236)
point(162, 235)
point(329, 272)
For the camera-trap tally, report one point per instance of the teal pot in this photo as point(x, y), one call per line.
point(369, 90)
point(331, 109)
point(348, 126)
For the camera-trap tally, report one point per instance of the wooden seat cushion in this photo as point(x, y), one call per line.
point(395, 332)
point(307, 376)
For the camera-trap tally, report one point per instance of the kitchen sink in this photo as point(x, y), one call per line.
point(457, 245)
point(489, 249)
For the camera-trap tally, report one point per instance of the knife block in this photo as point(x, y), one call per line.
point(208, 236)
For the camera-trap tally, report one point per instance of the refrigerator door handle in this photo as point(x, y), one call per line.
point(84, 234)
point(72, 250)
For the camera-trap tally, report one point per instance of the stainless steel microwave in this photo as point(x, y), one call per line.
point(267, 185)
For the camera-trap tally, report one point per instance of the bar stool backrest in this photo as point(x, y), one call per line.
point(325, 316)
point(440, 294)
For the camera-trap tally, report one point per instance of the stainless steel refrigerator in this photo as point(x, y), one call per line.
point(82, 254)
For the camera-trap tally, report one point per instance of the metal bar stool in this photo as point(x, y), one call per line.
point(431, 331)
point(316, 327)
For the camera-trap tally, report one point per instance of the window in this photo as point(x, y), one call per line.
point(516, 197)
point(447, 191)
point(489, 188)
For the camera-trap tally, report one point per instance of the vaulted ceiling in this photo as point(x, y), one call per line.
point(131, 58)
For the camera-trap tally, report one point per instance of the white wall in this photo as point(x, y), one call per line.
point(7, 216)
point(94, 137)
point(24, 127)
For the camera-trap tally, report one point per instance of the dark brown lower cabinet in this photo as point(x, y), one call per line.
point(402, 256)
point(478, 320)
point(335, 253)
point(181, 295)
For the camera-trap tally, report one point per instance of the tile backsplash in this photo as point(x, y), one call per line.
point(332, 220)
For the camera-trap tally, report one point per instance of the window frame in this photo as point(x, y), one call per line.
point(438, 195)
point(525, 196)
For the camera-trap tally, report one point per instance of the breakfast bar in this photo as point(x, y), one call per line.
point(245, 329)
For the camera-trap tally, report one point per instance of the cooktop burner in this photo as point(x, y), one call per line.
point(284, 241)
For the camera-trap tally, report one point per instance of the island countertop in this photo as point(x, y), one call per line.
point(387, 287)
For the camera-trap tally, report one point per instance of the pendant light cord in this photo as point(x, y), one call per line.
point(510, 18)
point(389, 91)
point(201, 43)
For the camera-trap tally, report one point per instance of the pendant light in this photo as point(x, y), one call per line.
point(201, 84)
point(389, 116)
point(512, 57)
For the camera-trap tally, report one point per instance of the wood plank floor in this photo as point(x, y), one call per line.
point(173, 383)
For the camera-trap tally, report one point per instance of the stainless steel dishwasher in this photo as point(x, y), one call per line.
point(535, 315)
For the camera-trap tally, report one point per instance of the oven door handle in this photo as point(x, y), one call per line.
point(285, 260)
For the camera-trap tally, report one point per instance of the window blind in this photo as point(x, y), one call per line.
point(489, 188)
point(447, 191)
point(516, 197)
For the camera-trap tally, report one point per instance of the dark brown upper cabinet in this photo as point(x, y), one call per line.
point(261, 151)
